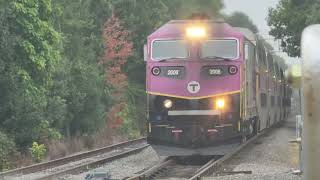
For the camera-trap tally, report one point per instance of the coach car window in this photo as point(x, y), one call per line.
point(262, 55)
point(249, 51)
point(270, 63)
point(165, 49)
point(246, 51)
point(225, 48)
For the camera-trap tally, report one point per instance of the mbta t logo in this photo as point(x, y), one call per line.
point(193, 87)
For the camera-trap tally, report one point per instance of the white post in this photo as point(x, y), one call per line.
point(310, 51)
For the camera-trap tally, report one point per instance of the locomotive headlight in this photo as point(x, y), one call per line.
point(168, 103)
point(220, 103)
point(196, 32)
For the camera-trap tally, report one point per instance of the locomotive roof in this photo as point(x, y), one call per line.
point(248, 34)
point(176, 29)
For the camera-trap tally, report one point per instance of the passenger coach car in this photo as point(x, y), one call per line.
point(208, 84)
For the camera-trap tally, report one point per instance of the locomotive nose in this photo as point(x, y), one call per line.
point(194, 103)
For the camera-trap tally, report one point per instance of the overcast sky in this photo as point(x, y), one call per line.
point(257, 10)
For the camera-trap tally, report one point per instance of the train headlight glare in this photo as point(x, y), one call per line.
point(196, 32)
point(220, 103)
point(168, 104)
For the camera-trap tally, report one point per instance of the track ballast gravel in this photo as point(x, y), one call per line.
point(127, 166)
point(271, 157)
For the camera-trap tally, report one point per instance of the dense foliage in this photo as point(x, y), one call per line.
point(29, 54)
point(6, 150)
point(70, 68)
point(239, 19)
point(288, 29)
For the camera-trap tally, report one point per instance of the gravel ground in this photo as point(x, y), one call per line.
point(270, 157)
point(127, 166)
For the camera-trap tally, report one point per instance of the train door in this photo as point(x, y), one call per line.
point(261, 89)
point(251, 110)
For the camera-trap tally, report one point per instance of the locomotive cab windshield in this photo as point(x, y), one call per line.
point(215, 49)
point(219, 49)
point(169, 49)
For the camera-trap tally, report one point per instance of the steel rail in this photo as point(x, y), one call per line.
point(206, 169)
point(76, 157)
point(91, 165)
point(147, 174)
point(209, 167)
point(212, 165)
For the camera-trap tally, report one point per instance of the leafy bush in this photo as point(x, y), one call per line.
point(129, 127)
point(38, 151)
point(6, 148)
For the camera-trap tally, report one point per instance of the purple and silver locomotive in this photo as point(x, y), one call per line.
point(203, 87)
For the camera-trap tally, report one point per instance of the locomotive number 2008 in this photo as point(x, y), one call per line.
point(173, 72)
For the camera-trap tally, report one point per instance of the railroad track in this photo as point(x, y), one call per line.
point(178, 168)
point(76, 163)
point(193, 170)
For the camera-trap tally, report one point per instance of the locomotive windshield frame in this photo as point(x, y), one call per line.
point(183, 42)
point(172, 53)
point(210, 57)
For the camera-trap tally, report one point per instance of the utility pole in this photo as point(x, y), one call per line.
point(311, 102)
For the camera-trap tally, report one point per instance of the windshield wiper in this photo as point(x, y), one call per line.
point(218, 57)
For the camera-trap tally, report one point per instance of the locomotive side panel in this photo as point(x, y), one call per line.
point(278, 108)
point(262, 89)
point(250, 81)
point(271, 92)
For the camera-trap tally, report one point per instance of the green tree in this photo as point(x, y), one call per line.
point(79, 79)
point(288, 20)
point(240, 19)
point(29, 53)
point(184, 9)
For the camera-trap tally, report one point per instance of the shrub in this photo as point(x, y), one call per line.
point(38, 151)
point(6, 148)
point(129, 127)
